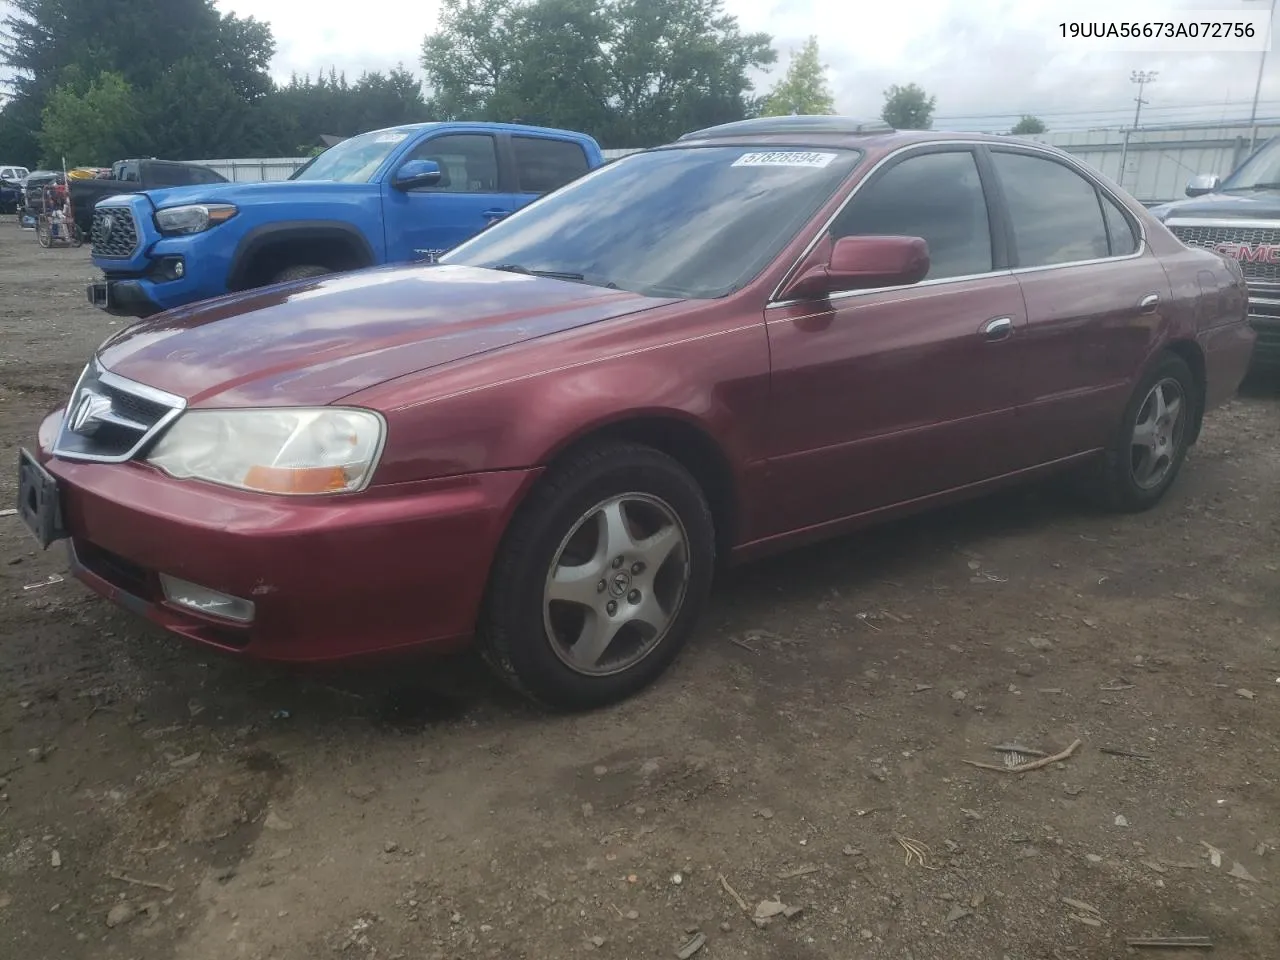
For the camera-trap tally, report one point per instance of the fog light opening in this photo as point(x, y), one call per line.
point(183, 593)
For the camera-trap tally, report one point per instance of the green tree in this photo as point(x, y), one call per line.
point(95, 126)
point(1028, 124)
point(908, 108)
point(631, 72)
point(804, 88)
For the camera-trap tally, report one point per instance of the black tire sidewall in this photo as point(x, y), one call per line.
point(1123, 492)
point(300, 272)
point(515, 641)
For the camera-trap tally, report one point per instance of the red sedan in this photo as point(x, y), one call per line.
point(762, 334)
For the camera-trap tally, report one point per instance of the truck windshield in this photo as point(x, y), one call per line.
point(354, 160)
point(1259, 172)
point(688, 222)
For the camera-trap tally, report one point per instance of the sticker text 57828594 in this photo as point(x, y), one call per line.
point(785, 158)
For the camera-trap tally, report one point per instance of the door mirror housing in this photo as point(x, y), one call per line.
point(417, 173)
point(861, 263)
point(1203, 183)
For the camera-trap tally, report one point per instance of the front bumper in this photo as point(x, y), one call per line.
point(390, 568)
point(122, 298)
point(1264, 317)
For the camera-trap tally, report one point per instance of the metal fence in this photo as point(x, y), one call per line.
point(248, 169)
point(1155, 163)
point(1152, 163)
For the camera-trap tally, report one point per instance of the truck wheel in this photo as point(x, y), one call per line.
point(300, 272)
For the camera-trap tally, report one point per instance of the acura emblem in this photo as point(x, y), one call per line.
point(90, 410)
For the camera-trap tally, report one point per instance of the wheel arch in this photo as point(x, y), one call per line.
point(1189, 352)
point(685, 440)
point(332, 234)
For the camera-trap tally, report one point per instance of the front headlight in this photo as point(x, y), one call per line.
point(193, 218)
point(288, 451)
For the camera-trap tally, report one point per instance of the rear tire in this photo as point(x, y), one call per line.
point(1152, 439)
point(302, 271)
point(600, 578)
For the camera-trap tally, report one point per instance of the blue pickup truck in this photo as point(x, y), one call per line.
point(395, 195)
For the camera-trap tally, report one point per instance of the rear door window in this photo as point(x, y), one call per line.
point(1055, 212)
point(543, 164)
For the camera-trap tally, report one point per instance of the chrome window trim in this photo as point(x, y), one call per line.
point(1222, 224)
point(1065, 159)
point(175, 404)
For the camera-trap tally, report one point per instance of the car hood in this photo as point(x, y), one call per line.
point(1259, 205)
point(248, 192)
point(317, 341)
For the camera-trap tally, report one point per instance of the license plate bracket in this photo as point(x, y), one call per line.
point(39, 501)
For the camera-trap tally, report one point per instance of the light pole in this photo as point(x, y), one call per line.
point(1257, 87)
point(1141, 78)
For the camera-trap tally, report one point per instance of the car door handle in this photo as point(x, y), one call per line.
point(1001, 328)
point(1148, 303)
point(495, 213)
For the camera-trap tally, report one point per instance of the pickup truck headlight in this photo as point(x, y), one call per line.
point(193, 218)
point(293, 451)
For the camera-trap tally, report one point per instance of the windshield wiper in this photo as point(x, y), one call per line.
point(1270, 185)
point(553, 274)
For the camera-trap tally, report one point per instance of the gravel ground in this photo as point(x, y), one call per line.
point(160, 801)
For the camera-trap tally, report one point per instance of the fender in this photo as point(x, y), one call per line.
point(268, 233)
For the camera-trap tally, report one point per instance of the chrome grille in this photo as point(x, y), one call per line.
point(111, 419)
point(115, 235)
point(1211, 237)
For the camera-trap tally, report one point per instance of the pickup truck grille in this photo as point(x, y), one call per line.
point(115, 235)
point(1258, 241)
point(110, 419)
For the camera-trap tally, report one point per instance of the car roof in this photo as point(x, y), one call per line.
point(829, 131)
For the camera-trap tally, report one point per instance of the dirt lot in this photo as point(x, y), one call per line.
point(158, 801)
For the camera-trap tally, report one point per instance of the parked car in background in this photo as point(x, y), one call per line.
point(134, 176)
point(11, 177)
point(1239, 218)
point(763, 334)
point(400, 194)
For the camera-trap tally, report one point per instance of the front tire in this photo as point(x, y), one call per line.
point(600, 579)
point(1153, 438)
point(302, 271)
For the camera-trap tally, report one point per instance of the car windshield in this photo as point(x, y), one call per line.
point(1259, 172)
point(688, 222)
point(354, 160)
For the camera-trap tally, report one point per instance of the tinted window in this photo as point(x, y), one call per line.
point(1119, 229)
point(680, 222)
point(544, 165)
point(165, 175)
point(1055, 212)
point(937, 196)
point(468, 162)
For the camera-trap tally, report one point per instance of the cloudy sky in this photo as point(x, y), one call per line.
point(986, 60)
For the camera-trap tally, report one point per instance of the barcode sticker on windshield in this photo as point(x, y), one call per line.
point(784, 158)
point(389, 137)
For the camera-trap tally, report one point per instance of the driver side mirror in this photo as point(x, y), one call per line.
point(861, 263)
point(417, 173)
point(1203, 183)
